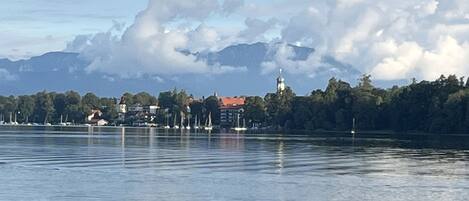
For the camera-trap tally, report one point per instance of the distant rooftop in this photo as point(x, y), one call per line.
point(232, 101)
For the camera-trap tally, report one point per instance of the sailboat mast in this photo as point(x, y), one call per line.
point(174, 122)
point(182, 120)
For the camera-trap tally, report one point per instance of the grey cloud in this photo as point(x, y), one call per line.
point(230, 6)
point(256, 28)
point(5, 75)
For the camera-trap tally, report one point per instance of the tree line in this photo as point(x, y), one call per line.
point(52, 107)
point(440, 106)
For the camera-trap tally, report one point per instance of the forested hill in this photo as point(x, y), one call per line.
point(440, 106)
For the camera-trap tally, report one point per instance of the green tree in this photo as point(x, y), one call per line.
point(60, 102)
point(279, 108)
point(8, 106)
point(144, 98)
point(211, 105)
point(167, 100)
point(73, 111)
point(90, 100)
point(255, 110)
point(108, 108)
point(26, 107)
point(44, 107)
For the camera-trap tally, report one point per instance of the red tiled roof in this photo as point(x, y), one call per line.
point(231, 101)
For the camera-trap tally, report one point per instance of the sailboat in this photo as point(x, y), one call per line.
point(175, 126)
point(167, 123)
point(196, 126)
point(209, 126)
point(353, 127)
point(238, 128)
point(61, 121)
point(182, 121)
point(188, 127)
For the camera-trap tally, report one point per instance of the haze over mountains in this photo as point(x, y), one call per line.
point(62, 71)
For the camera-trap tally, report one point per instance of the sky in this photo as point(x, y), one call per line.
point(34, 27)
point(391, 40)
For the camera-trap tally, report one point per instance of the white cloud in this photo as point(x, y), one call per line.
point(389, 39)
point(256, 28)
point(152, 46)
point(284, 58)
point(203, 38)
point(400, 61)
point(5, 75)
point(449, 57)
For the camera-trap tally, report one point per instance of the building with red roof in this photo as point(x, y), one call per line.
point(230, 108)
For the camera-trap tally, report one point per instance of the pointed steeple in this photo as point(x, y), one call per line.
point(280, 82)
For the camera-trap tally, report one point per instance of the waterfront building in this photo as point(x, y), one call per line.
point(95, 118)
point(152, 109)
point(135, 108)
point(230, 108)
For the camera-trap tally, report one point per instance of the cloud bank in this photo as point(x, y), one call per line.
point(391, 40)
point(151, 46)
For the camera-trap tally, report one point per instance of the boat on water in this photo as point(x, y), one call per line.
point(175, 126)
point(188, 127)
point(196, 123)
point(208, 125)
point(238, 127)
point(167, 123)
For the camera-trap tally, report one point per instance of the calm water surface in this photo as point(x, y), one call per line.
point(151, 164)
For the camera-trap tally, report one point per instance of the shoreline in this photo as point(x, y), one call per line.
point(374, 133)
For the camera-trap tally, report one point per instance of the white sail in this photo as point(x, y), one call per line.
point(209, 123)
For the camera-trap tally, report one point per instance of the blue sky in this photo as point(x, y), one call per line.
point(35, 26)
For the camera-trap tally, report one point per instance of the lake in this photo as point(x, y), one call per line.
point(53, 163)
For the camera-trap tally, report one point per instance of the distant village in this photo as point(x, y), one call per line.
point(230, 114)
point(225, 112)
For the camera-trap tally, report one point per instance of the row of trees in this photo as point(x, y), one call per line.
point(440, 106)
point(51, 107)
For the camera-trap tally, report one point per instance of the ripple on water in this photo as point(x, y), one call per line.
point(288, 161)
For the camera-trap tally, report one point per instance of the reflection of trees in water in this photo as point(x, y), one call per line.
point(231, 142)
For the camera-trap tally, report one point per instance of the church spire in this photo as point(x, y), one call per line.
point(280, 82)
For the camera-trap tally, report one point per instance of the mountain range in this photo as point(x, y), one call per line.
point(62, 71)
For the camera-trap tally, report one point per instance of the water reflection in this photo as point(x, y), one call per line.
point(228, 161)
point(280, 157)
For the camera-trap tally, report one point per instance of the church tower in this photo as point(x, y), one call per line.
point(122, 107)
point(280, 83)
